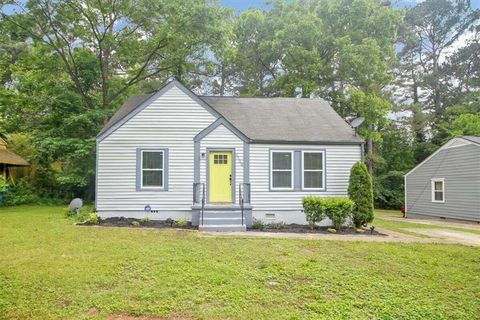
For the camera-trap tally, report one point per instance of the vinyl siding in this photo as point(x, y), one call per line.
point(169, 122)
point(460, 167)
point(220, 138)
point(339, 160)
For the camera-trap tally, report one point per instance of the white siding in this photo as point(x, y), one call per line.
point(170, 122)
point(339, 160)
point(220, 138)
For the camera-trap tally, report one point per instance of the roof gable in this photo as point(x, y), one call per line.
point(456, 142)
point(137, 103)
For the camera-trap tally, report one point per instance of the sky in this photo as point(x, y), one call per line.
point(241, 5)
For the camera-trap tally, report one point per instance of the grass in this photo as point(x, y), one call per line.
point(401, 226)
point(51, 269)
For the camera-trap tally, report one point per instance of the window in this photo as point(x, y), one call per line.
point(220, 159)
point(281, 170)
point(438, 190)
point(152, 169)
point(313, 170)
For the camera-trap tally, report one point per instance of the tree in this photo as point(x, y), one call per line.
point(360, 191)
point(130, 42)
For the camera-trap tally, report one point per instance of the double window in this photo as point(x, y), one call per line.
point(438, 190)
point(307, 165)
point(152, 171)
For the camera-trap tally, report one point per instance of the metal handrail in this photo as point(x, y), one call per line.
point(199, 192)
point(243, 196)
point(240, 198)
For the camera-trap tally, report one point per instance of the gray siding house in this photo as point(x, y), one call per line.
point(221, 161)
point(446, 184)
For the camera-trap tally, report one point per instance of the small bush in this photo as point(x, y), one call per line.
point(145, 220)
point(136, 223)
point(360, 191)
point(93, 218)
point(21, 193)
point(182, 222)
point(313, 210)
point(277, 225)
point(257, 224)
point(332, 230)
point(338, 210)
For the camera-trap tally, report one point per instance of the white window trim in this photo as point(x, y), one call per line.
point(285, 170)
point(316, 170)
point(442, 180)
point(162, 187)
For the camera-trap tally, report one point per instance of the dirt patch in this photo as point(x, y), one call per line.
point(450, 236)
point(135, 223)
point(174, 316)
point(299, 228)
point(92, 312)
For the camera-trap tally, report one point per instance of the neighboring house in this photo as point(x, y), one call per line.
point(9, 160)
point(160, 154)
point(447, 184)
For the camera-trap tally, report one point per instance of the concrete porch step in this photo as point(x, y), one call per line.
point(221, 220)
point(222, 228)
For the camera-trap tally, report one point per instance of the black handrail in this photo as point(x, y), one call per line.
point(203, 200)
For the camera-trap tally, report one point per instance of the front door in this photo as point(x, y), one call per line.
point(220, 177)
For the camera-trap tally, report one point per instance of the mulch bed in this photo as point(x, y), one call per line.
point(128, 222)
point(163, 224)
point(299, 228)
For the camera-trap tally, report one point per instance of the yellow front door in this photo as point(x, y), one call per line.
point(220, 180)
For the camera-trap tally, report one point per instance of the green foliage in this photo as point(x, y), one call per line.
point(360, 191)
point(257, 224)
point(93, 218)
point(145, 220)
point(136, 223)
point(332, 230)
point(276, 225)
point(182, 222)
point(338, 210)
point(313, 209)
point(20, 193)
point(466, 125)
point(388, 190)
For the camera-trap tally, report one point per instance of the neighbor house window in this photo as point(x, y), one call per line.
point(153, 170)
point(313, 170)
point(438, 190)
point(281, 170)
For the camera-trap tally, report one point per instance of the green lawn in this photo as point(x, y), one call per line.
point(50, 268)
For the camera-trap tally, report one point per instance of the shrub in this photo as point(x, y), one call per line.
point(332, 230)
point(93, 218)
point(145, 220)
point(135, 223)
point(338, 210)
point(313, 210)
point(21, 193)
point(257, 224)
point(182, 222)
point(277, 225)
point(360, 191)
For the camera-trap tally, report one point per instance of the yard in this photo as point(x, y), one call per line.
point(50, 268)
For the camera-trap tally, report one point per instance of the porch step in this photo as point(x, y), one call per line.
point(222, 227)
point(221, 220)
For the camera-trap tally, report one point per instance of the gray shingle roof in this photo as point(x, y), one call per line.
point(270, 119)
point(284, 119)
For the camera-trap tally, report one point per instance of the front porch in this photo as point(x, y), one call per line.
point(220, 216)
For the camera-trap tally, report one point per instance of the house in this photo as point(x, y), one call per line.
point(221, 161)
point(9, 160)
point(447, 183)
